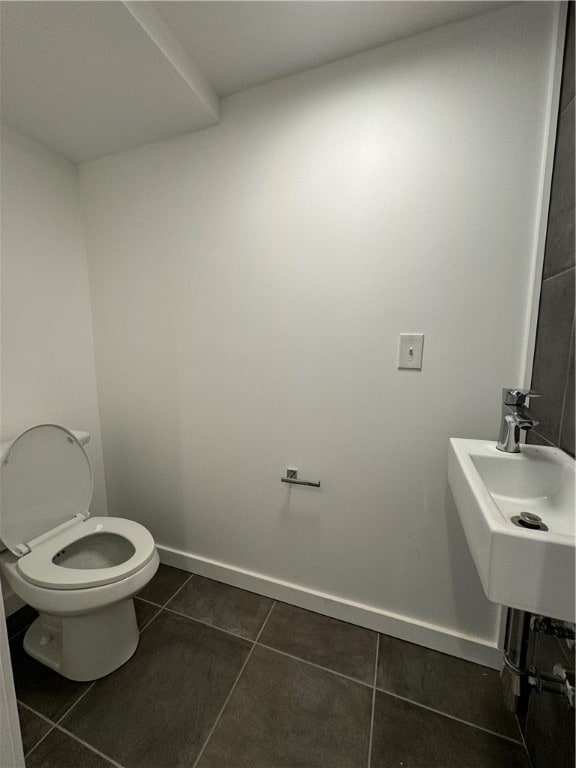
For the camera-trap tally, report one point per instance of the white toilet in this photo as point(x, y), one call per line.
point(79, 572)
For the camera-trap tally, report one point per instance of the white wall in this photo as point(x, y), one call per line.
point(47, 365)
point(249, 284)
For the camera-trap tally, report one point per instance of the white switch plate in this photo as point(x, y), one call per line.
point(410, 347)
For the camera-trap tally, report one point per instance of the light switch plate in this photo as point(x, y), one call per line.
point(410, 348)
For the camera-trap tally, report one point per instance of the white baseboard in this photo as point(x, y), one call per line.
point(438, 638)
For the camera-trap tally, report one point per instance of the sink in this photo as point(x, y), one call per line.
point(519, 567)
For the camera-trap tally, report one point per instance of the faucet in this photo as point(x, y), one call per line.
point(515, 416)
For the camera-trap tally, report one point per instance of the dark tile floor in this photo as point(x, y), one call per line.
point(225, 678)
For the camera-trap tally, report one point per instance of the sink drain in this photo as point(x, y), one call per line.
point(529, 520)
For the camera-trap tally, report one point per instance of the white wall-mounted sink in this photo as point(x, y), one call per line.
point(530, 569)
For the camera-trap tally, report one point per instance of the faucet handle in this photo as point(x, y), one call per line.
point(517, 396)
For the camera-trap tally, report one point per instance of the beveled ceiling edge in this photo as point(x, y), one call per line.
point(161, 35)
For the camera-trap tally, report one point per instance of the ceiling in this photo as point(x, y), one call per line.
point(93, 78)
point(242, 44)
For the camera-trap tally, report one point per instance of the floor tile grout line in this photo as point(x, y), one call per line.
point(149, 602)
point(35, 712)
point(207, 624)
point(215, 725)
point(373, 700)
point(43, 717)
point(55, 723)
point(173, 595)
point(88, 745)
point(48, 732)
point(71, 707)
point(265, 622)
point(20, 632)
point(56, 726)
point(145, 626)
point(151, 619)
point(452, 717)
point(313, 664)
point(17, 634)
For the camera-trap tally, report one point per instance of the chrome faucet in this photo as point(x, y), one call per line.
point(515, 416)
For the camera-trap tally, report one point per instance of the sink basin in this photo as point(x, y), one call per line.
point(519, 567)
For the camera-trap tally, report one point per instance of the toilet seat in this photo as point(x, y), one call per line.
point(46, 491)
point(38, 567)
point(46, 481)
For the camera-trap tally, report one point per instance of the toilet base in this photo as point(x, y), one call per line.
point(88, 646)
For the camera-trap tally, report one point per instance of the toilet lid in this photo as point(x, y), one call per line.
point(46, 479)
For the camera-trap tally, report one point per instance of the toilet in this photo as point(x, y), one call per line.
point(79, 572)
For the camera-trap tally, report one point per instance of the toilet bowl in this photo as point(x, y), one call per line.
point(79, 572)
